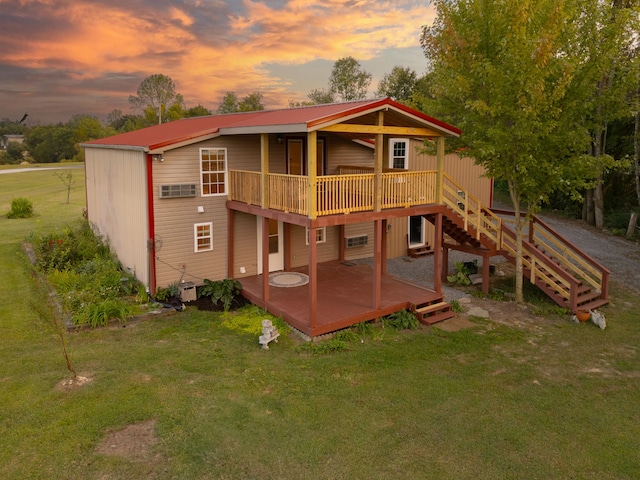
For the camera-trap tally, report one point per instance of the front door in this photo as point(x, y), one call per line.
point(416, 231)
point(276, 246)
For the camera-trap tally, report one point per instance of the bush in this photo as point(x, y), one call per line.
point(223, 291)
point(21, 208)
point(402, 320)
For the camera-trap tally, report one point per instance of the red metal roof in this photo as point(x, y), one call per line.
point(183, 130)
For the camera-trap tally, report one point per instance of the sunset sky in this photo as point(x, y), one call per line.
point(64, 57)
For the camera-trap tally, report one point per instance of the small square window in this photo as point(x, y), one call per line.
point(203, 237)
point(321, 235)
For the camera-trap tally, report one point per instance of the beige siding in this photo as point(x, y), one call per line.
point(356, 230)
point(245, 249)
point(117, 204)
point(326, 251)
point(343, 151)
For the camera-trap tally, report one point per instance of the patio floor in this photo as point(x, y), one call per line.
point(345, 297)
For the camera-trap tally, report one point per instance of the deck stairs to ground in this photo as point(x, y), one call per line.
point(561, 270)
point(433, 311)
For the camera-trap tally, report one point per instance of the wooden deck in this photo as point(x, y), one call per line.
point(345, 297)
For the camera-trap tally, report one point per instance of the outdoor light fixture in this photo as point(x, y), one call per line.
point(280, 139)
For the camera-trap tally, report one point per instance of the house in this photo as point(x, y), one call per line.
point(9, 137)
point(301, 192)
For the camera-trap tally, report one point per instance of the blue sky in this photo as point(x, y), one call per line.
point(59, 57)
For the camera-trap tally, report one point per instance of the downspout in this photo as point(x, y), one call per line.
point(151, 241)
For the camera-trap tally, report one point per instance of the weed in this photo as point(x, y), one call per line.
point(163, 294)
point(461, 277)
point(323, 348)
point(248, 321)
point(99, 314)
point(20, 208)
point(402, 320)
point(455, 306)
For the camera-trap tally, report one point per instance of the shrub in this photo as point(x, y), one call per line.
point(165, 293)
point(223, 291)
point(99, 314)
point(21, 208)
point(402, 320)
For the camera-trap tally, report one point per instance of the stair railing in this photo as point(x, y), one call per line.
point(473, 212)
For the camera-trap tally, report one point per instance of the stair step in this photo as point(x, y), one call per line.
point(420, 251)
point(593, 304)
point(438, 317)
point(434, 307)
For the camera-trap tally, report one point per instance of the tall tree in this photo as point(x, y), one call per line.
point(398, 85)
point(500, 73)
point(348, 80)
point(231, 104)
point(156, 95)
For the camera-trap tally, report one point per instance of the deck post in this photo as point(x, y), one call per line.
point(312, 172)
point(485, 274)
point(377, 170)
point(313, 278)
point(230, 240)
point(377, 263)
point(440, 169)
point(341, 242)
point(383, 260)
point(264, 168)
point(440, 254)
point(287, 246)
point(265, 259)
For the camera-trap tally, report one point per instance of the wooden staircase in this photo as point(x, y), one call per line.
point(434, 311)
point(560, 269)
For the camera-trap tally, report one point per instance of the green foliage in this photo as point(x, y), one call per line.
point(231, 104)
point(158, 99)
point(20, 208)
point(165, 293)
point(348, 80)
point(455, 306)
point(248, 321)
point(98, 314)
point(461, 277)
point(402, 320)
point(398, 85)
point(220, 291)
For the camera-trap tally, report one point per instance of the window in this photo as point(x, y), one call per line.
point(321, 235)
point(203, 237)
point(178, 191)
point(399, 153)
point(213, 167)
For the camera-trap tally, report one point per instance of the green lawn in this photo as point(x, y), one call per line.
point(553, 400)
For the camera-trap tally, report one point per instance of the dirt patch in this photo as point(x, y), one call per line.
point(72, 384)
point(133, 442)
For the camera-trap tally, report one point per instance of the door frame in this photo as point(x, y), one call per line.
point(423, 233)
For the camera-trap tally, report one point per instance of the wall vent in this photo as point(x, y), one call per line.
point(359, 241)
point(178, 190)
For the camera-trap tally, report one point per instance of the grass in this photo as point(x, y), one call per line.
point(494, 402)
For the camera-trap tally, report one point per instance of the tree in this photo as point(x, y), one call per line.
point(320, 96)
point(499, 71)
point(398, 85)
point(231, 104)
point(15, 152)
point(348, 80)
point(156, 95)
point(197, 111)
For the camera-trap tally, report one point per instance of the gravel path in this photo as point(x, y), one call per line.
point(620, 256)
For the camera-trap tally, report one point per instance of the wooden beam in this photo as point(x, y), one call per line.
point(312, 172)
point(264, 162)
point(440, 169)
point(377, 168)
point(377, 264)
point(265, 258)
point(437, 260)
point(380, 130)
point(313, 279)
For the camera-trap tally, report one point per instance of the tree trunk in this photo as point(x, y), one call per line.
point(636, 154)
point(598, 204)
point(633, 222)
point(588, 214)
point(520, 223)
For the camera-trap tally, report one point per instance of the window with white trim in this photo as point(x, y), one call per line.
point(321, 235)
point(399, 153)
point(213, 171)
point(203, 237)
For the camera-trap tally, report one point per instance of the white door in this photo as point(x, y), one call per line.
point(416, 231)
point(276, 246)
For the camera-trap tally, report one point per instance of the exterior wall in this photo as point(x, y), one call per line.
point(343, 151)
point(117, 204)
point(246, 245)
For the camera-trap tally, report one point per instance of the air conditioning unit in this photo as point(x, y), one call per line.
point(357, 241)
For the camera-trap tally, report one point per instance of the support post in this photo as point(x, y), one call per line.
point(312, 173)
point(230, 242)
point(313, 279)
point(264, 168)
point(265, 259)
point(437, 259)
point(377, 168)
point(377, 263)
point(485, 274)
point(440, 170)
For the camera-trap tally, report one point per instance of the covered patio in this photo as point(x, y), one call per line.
point(344, 297)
